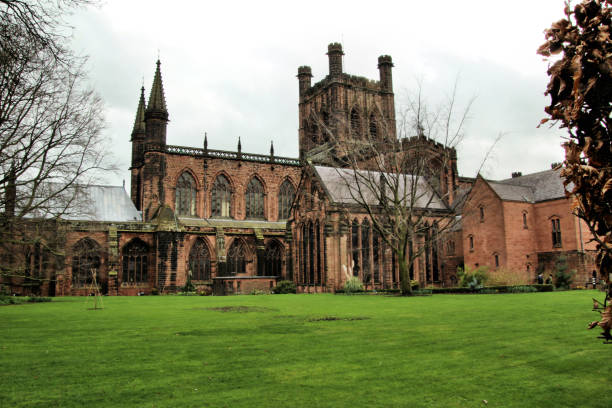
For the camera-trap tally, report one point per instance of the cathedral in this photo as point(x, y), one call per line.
point(236, 222)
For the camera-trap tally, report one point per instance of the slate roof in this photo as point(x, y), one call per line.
point(341, 186)
point(535, 187)
point(105, 203)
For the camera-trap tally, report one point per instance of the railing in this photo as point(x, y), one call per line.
point(221, 154)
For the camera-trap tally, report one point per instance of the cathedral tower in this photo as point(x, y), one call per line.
point(344, 107)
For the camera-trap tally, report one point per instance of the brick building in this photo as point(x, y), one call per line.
point(523, 224)
point(234, 222)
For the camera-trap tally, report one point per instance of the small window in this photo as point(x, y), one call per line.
point(471, 238)
point(496, 260)
point(524, 219)
point(556, 232)
point(450, 248)
point(481, 208)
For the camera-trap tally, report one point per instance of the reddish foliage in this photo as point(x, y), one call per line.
point(580, 89)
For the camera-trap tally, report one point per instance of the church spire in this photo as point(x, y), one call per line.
point(157, 100)
point(139, 122)
point(156, 115)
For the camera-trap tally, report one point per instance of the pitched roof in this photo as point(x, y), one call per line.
point(535, 187)
point(157, 100)
point(342, 186)
point(105, 203)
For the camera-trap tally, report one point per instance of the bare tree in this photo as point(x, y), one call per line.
point(50, 128)
point(405, 183)
point(580, 89)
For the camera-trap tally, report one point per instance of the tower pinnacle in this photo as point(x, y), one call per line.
point(157, 100)
point(139, 123)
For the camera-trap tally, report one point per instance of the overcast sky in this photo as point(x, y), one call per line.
point(229, 68)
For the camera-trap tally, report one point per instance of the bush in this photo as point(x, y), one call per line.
point(353, 285)
point(473, 279)
point(17, 300)
point(522, 289)
point(563, 277)
point(257, 292)
point(10, 300)
point(284, 287)
point(506, 277)
point(38, 299)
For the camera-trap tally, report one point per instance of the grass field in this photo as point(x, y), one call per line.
point(522, 350)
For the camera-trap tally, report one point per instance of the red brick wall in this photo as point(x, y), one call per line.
point(520, 242)
point(239, 173)
point(489, 233)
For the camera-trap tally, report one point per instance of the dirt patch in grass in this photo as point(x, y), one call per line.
point(241, 309)
point(336, 318)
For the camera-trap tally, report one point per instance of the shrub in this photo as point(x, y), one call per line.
point(353, 285)
point(257, 292)
point(522, 289)
point(507, 277)
point(488, 291)
point(472, 278)
point(189, 286)
point(10, 300)
point(284, 287)
point(563, 277)
point(38, 299)
point(154, 291)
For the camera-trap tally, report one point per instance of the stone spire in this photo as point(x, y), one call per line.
point(157, 100)
point(139, 123)
point(156, 115)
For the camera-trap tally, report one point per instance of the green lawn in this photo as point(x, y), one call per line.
point(522, 350)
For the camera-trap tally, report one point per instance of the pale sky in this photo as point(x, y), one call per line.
point(229, 68)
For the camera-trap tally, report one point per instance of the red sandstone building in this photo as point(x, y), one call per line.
point(234, 222)
point(523, 224)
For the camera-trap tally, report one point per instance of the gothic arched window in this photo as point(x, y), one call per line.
point(376, 255)
point(199, 261)
point(185, 195)
point(286, 194)
point(311, 254)
point(313, 129)
point(221, 197)
point(373, 127)
point(274, 259)
point(326, 131)
point(355, 124)
point(355, 247)
point(365, 251)
point(135, 262)
point(85, 261)
point(236, 258)
point(254, 198)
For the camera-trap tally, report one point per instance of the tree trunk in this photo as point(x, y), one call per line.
point(406, 287)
